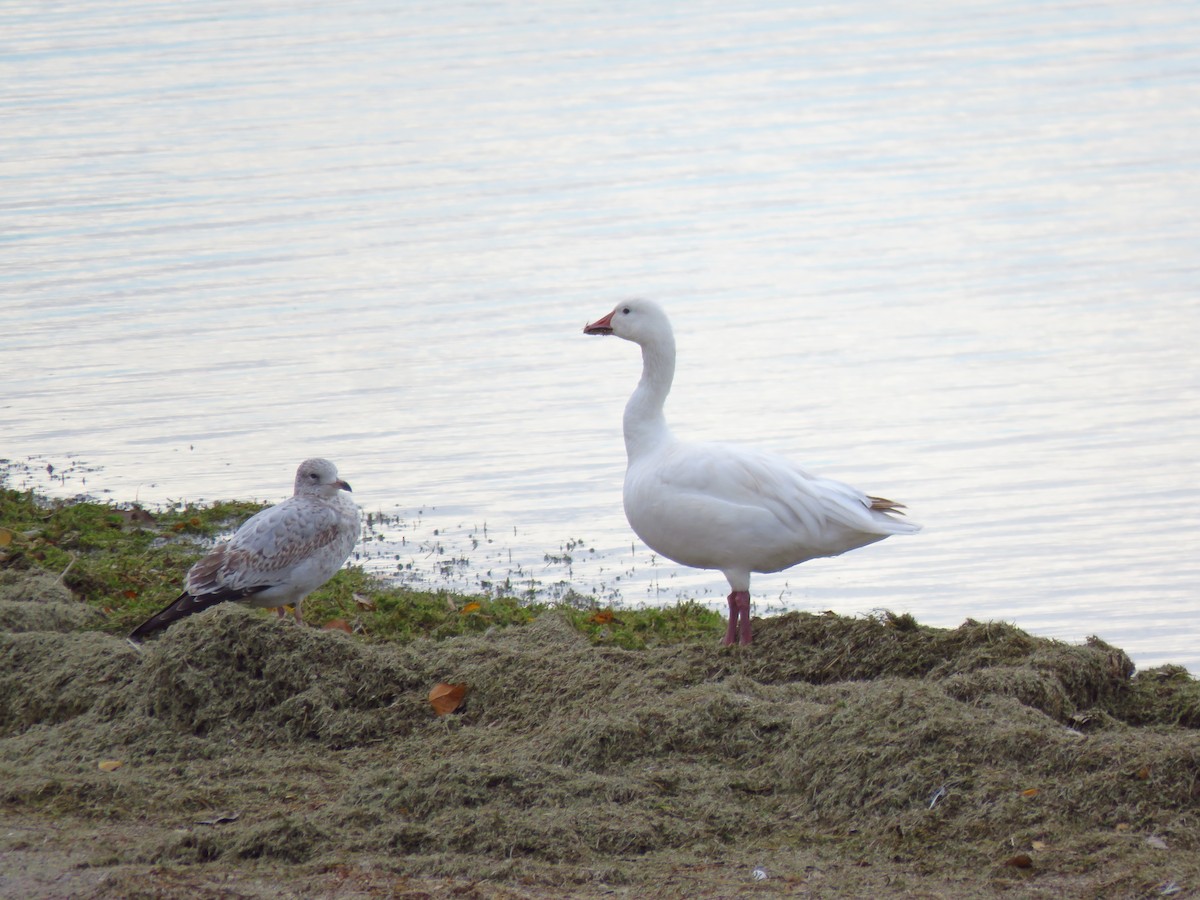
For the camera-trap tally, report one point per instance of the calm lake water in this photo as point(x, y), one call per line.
point(945, 252)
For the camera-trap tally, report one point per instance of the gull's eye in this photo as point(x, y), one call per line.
point(625, 311)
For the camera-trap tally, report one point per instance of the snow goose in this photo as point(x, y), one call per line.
point(718, 506)
point(279, 555)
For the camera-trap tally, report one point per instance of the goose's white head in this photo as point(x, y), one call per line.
point(319, 478)
point(640, 321)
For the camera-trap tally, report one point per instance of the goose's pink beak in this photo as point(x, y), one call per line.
point(600, 326)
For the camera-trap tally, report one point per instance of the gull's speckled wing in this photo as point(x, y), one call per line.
point(277, 557)
point(270, 546)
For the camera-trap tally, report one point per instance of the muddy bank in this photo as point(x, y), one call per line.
point(241, 756)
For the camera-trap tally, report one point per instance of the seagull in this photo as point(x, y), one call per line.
point(721, 506)
point(279, 555)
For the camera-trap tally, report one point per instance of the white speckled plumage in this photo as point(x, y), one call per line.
point(720, 506)
point(278, 556)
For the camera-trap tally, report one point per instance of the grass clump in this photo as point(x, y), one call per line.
point(386, 612)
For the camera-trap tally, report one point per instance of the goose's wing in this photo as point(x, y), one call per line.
point(797, 500)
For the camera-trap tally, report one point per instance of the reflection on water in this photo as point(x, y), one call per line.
point(944, 254)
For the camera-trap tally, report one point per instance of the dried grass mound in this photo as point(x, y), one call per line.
point(1166, 695)
point(927, 754)
point(36, 601)
point(974, 661)
point(47, 678)
point(238, 675)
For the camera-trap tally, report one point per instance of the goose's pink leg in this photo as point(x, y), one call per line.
point(743, 605)
point(739, 619)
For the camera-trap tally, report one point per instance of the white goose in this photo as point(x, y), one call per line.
point(717, 506)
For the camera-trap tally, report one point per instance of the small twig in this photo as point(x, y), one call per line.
point(74, 558)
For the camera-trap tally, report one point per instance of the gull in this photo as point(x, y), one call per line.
point(279, 556)
point(721, 506)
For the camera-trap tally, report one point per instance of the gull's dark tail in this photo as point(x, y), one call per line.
point(183, 606)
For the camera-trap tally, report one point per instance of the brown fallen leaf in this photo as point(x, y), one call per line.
point(1021, 861)
point(337, 625)
point(603, 617)
point(1142, 774)
point(471, 607)
point(109, 765)
point(1038, 845)
point(6, 537)
point(446, 698)
point(1031, 792)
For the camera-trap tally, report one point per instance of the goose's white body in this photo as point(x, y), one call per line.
point(720, 506)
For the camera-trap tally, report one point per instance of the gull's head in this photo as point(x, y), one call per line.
point(640, 321)
point(318, 478)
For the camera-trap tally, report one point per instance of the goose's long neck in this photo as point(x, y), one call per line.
point(645, 424)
